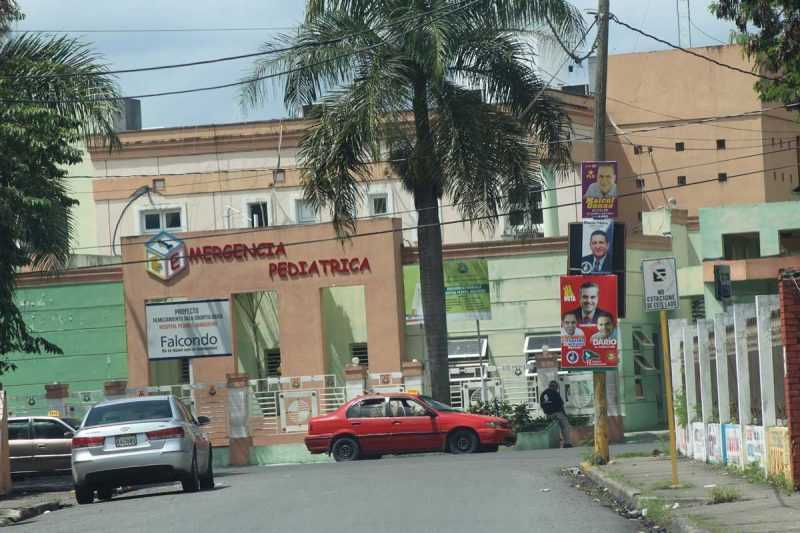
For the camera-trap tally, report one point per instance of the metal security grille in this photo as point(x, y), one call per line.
point(273, 362)
point(359, 350)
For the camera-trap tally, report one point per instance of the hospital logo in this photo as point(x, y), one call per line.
point(166, 256)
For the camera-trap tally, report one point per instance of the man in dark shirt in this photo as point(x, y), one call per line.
point(553, 407)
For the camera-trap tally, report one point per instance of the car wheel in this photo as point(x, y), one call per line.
point(191, 483)
point(462, 441)
point(105, 493)
point(84, 494)
point(345, 449)
point(207, 481)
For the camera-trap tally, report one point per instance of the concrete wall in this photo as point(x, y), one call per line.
point(345, 322)
point(84, 216)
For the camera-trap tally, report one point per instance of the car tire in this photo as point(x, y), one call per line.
point(462, 441)
point(105, 493)
point(191, 483)
point(84, 494)
point(207, 480)
point(345, 449)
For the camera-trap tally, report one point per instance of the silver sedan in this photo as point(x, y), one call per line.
point(136, 441)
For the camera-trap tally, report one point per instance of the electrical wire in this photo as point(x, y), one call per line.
point(162, 30)
point(695, 26)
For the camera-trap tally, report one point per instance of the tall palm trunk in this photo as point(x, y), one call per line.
point(429, 235)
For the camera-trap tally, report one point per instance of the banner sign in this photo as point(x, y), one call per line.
point(754, 444)
point(597, 246)
point(660, 278)
point(714, 443)
point(699, 441)
point(589, 338)
point(599, 187)
point(466, 288)
point(732, 435)
point(189, 329)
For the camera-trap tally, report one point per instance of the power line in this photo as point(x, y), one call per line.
point(690, 52)
point(162, 30)
point(543, 190)
point(698, 28)
point(417, 227)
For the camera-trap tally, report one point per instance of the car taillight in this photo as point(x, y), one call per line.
point(171, 433)
point(87, 442)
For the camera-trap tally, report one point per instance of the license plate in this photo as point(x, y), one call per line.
point(125, 441)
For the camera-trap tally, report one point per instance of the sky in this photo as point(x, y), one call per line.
point(121, 50)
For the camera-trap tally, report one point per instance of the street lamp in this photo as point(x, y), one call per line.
point(141, 191)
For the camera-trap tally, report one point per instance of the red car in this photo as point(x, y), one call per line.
point(370, 426)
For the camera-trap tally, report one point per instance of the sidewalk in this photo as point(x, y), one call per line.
point(644, 482)
point(34, 496)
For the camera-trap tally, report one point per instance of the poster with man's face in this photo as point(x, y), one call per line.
point(597, 247)
point(589, 337)
point(599, 186)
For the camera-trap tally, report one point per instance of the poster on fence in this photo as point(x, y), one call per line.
point(680, 436)
point(714, 443)
point(589, 335)
point(699, 441)
point(754, 444)
point(732, 434)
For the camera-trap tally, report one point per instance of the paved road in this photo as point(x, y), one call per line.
point(425, 493)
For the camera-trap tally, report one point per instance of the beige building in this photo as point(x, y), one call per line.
point(746, 159)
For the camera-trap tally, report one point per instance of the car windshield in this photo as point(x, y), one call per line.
point(439, 406)
point(128, 412)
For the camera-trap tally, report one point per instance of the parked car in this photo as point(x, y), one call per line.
point(40, 444)
point(137, 441)
point(377, 424)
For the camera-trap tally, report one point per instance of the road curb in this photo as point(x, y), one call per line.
point(12, 516)
point(631, 497)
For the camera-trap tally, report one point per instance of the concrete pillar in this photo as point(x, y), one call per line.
point(688, 368)
point(56, 395)
point(549, 203)
point(239, 438)
point(741, 312)
point(412, 375)
point(355, 378)
point(721, 351)
point(765, 305)
point(704, 359)
point(116, 389)
point(789, 294)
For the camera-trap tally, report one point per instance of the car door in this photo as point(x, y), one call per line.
point(198, 436)
point(413, 430)
point(20, 445)
point(52, 445)
point(369, 423)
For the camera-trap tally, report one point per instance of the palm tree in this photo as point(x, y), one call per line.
point(52, 92)
point(447, 88)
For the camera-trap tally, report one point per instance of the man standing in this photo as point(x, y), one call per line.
point(588, 311)
point(598, 260)
point(553, 407)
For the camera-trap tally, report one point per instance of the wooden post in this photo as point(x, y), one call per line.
point(721, 351)
point(706, 404)
point(601, 454)
point(741, 312)
point(764, 307)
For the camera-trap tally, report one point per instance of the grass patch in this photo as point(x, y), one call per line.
point(753, 473)
point(656, 510)
point(724, 495)
point(666, 484)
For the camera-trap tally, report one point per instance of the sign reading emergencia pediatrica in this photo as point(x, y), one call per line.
point(660, 278)
point(189, 329)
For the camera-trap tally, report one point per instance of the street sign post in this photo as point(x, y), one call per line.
point(661, 294)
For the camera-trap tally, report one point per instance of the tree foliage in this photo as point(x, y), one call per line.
point(769, 31)
point(46, 90)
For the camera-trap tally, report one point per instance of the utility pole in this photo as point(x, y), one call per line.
point(600, 455)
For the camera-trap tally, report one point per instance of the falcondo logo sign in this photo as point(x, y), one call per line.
point(200, 328)
point(166, 256)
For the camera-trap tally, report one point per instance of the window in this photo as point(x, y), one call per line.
point(159, 184)
point(274, 362)
point(532, 213)
point(637, 149)
point(642, 338)
point(722, 176)
point(18, 430)
point(306, 214)
point(360, 351)
point(466, 348)
point(789, 242)
point(468, 357)
point(186, 370)
point(534, 345)
point(720, 144)
point(378, 204)
point(278, 175)
point(132, 411)
point(679, 147)
point(49, 429)
point(640, 183)
point(369, 408)
point(157, 220)
point(741, 246)
point(681, 180)
point(405, 407)
point(257, 216)
point(639, 216)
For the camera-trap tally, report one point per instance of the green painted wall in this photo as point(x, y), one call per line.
point(257, 330)
point(344, 314)
point(87, 321)
point(766, 219)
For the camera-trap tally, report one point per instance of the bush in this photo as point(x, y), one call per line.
point(519, 415)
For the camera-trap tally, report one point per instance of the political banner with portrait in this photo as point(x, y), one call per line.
point(599, 189)
point(597, 247)
point(589, 336)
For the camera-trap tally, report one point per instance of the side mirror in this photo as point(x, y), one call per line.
point(203, 421)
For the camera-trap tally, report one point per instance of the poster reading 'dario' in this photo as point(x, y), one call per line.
point(589, 338)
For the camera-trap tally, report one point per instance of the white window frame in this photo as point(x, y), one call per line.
point(530, 355)
point(374, 196)
point(162, 210)
point(296, 208)
point(245, 217)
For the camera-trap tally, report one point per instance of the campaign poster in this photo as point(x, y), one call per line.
point(599, 188)
point(589, 336)
point(596, 250)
